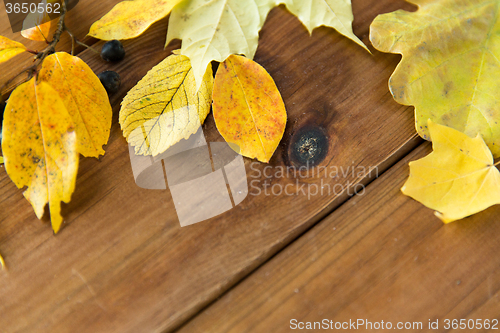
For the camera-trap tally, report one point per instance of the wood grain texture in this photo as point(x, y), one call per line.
point(123, 264)
point(380, 256)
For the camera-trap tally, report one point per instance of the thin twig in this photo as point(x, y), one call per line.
point(75, 40)
point(40, 56)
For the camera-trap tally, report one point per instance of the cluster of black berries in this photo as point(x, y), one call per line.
point(111, 51)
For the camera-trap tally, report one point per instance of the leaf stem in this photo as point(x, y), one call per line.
point(75, 40)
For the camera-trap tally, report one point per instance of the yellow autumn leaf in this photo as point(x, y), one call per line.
point(248, 109)
point(84, 97)
point(36, 26)
point(450, 68)
point(165, 106)
point(458, 178)
point(40, 147)
point(336, 14)
point(9, 48)
point(1, 159)
point(129, 19)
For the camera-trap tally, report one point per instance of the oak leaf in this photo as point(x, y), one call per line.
point(336, 14)
point(165, 106)
point(248, 109)
point(84, 97)
point(9, 49)
point(216, 29)
point(129, 19)
point(458, 178)
point(40, 147)
point(450, 68)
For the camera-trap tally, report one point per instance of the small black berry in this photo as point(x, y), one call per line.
point(113, 51)
point(110, 80)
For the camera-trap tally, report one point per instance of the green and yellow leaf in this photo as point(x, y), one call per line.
point(84, 97)
point(9, 49)
point(165, 106)
point(40, 147)
point(450, 68)
point(458, 178)
point(248, 109)
point(216, 29)
point(336, 14)
point(129, 19)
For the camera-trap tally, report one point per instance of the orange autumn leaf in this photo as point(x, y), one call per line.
point(248, 108)
point(129, 19)
point(84, 97)
point(40, 147)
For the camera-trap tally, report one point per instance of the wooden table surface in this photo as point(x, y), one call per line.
point(122, 263)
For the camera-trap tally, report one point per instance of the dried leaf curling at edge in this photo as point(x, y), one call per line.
point(39, 147)
point(214, 30)
point(248, 109)
point(129, 19)
point(450, 69)
point(9, 48)
point(84, 97)
point(457, 179)
point(336, 14)
point(165, 107)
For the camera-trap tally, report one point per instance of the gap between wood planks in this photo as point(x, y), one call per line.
point(412, 144)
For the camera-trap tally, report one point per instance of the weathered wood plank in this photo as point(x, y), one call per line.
point(380, 256)
point(123, 263)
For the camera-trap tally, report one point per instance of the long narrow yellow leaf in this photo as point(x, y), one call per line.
point(129, 19)
point(39, 147)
